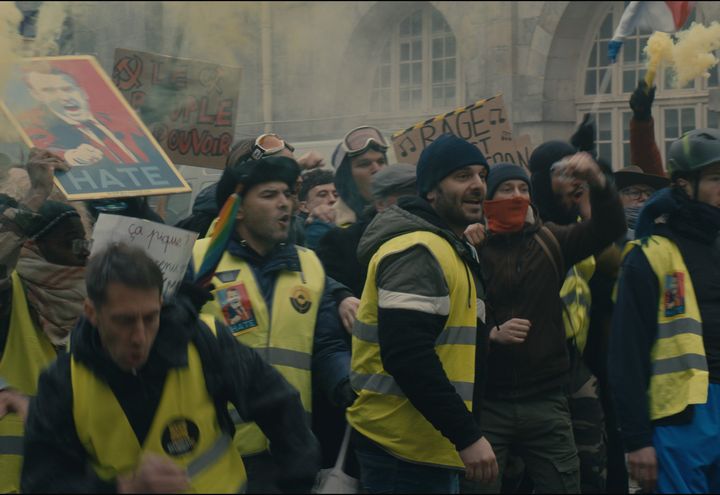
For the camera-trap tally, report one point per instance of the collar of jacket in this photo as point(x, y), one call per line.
point(169, 349)
point(282, 257)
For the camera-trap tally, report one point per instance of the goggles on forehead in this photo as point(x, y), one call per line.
point(359, 139)
point(269, 144)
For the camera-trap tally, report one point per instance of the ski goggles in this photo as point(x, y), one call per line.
point(269, 144)
point(357, 141)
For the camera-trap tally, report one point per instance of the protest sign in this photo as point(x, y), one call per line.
point(69, 106)
point(484, 124)
point(189, 105)
point(170, 247)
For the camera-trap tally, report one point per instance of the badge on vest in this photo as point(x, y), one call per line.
point(300, 299)
point(674, 297)
point(236, 308)
point(180, 437)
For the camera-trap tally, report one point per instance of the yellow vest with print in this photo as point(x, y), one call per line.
point(27, 352)
point(576, 296)
point(284, 338)
point(185, 429)
point(381, 411)
point(679, 366)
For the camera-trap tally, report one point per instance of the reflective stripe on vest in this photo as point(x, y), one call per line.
point(381, 412)
point(679, 366)
point(27, 352)
point(577, 299)
point(185, 429)
point(284, 338)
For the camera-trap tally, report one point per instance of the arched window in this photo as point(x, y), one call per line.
point(675, 110)
point(417, 68)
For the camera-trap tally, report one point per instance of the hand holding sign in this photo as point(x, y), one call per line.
point(85, 154)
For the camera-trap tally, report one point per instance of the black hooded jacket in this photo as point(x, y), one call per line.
point(56, 461)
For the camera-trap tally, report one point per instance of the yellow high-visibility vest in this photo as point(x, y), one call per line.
point(284, 338)
point(27, 352)
point(381, 411)
point(576, 296)
point(679, 367)
point(185, 429)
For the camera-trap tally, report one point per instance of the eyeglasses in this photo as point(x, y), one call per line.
point(636, 193)
point(359, 139)
point(269, 144)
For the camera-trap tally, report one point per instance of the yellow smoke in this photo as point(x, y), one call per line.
point(10, 46)
point(689, 57)
point(693, 52)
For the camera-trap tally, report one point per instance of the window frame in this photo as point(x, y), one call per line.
point(427, 36)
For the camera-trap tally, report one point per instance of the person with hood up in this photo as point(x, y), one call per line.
point(359, 156)
point(420, 334)
point(525, 407)
point(664, 360)
point(43, 250)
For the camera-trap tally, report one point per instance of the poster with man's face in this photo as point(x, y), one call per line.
point(69, 106)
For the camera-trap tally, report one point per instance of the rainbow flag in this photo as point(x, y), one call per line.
point(218, 241)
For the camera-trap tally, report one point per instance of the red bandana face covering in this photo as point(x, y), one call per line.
point(506, 215)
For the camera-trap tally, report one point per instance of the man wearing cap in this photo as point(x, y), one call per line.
point(273, 296)
point(42, 256)
point(525, 408)
point(664, 358)
point(420, 321)
point(359, 156)
point(635, 187)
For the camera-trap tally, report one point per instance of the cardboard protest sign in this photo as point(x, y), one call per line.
point(484, 124)
point(69, 106)
point(170, 247)
point(189, 105)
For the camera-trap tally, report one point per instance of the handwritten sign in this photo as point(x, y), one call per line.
point(189, 105)
point(69, 106)
point(170, 247)
point(484, 124)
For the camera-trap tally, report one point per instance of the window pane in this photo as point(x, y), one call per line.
point(450, 46)
point(437, 71)
point(592, 62)
point(590, 82)
point(626, 155)
point(603, 53)
point(437, 94)
point(687, 117)
point(604, 129)
point(404, 52)
point(417, 23)
point(626, 116)
point(438, 23)
point(404, 98)
point(417, 50)
point(713, 80)
point(417, 73)
point(671, 124)
point(629, 49)
point(385, 54)
point(450, 70)
point(450, 94)
point(385, 77)
point(606, 30)
point(601, 74)
point(437, 48)
point(417, 97)
point(605, 150)
point(404, 74)
point(405, 27)
point(629, 80)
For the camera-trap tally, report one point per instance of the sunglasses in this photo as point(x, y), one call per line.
point(269, 144)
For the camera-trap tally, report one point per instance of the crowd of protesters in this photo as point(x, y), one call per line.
point(464, 328)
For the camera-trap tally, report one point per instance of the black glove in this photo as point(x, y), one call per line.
point(197, 295)
point(343, 394)
point(584, 137)
point(641, 101)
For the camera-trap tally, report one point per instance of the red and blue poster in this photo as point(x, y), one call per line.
point(69, 106)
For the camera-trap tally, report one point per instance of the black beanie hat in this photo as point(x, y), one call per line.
point(445, 155)
point(501, 172)
point(540, 162)
point(52, 213)
point(250, 173)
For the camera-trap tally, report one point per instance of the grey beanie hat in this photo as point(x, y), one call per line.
point(396, 177)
